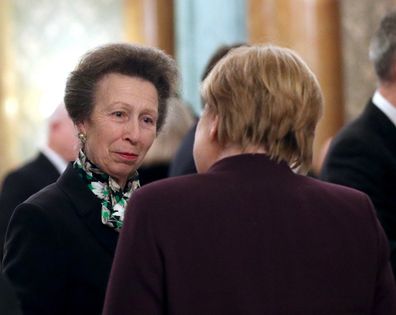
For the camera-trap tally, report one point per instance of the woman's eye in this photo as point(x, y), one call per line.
point(148, 120)
point(118, 114)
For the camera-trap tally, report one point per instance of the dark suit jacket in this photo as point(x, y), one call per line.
point(58, 253)
point(153, 172)
point(8, 302)
point(21, 184)
point(183, 161)
point(250, 237)
point(363, 156)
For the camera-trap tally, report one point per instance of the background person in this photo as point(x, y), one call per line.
point(247, 235)
point(363, 153)
point(156, 163)
point(61, 147)
point(61, 241)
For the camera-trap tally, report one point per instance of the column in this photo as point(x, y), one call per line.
point(150, 22)
point(312, 28)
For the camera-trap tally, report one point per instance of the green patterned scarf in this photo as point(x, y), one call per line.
point(113, 198)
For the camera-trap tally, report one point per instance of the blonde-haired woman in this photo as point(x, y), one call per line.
point(247, 235)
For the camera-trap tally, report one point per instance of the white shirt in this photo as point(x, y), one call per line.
point(59, 163)
point(385, 106)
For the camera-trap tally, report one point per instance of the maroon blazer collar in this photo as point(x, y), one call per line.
point(249, 164)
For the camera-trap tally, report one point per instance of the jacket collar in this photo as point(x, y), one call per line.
point(87, 206)
point(250, 163)
point(378, 121)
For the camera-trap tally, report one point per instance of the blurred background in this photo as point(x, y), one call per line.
point(42, 40)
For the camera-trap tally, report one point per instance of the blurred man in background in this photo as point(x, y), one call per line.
point(363, 154)
point(44, 169)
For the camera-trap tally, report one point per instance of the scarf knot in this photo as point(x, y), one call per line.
point(113, 198)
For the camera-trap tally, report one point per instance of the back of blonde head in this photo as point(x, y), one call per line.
point(266, 96)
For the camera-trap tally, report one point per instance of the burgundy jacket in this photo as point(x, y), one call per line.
point(250, 237)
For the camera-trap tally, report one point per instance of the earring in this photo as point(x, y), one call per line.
point(82, 137)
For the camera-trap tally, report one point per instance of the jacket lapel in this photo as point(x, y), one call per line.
point(374, 115)
point(87, 207)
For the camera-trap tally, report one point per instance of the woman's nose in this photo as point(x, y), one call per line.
point(132, 131)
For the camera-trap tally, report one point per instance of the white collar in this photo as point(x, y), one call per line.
point(385, 106)
point(59, 163)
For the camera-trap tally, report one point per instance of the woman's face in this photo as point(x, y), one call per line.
point(122, 126)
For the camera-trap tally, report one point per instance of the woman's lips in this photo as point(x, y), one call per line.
point(127, 156)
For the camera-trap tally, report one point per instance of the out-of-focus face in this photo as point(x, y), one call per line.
point(205, 144)
point(67, 138)
point(62, 135)
point(122, 126)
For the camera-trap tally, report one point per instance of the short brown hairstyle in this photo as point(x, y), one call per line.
point(147, 63)
point(265, 96)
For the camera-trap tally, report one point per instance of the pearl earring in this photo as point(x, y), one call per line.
point(82, 137)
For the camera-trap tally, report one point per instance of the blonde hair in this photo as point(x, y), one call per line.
point(265, 96)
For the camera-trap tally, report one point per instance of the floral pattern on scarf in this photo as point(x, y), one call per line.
point(113, 198)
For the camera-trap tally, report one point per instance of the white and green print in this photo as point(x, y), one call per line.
point(113, 198)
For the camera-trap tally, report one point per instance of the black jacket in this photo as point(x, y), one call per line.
point(58, 253)
point(20, 185)
point(363, 156)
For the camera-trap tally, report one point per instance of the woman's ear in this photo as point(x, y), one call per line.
point(214, 125)
point(81, 127)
